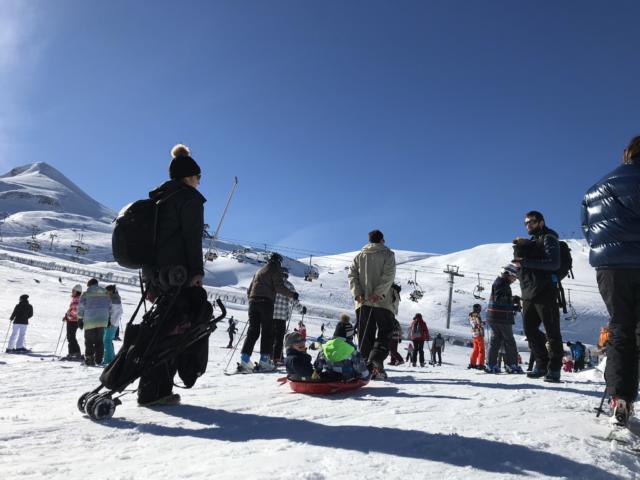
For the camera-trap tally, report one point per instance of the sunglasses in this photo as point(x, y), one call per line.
point(530, 222)
point(199, 176)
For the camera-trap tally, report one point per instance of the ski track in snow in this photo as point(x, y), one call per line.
point(440, 422)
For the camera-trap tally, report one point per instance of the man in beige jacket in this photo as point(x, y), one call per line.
point(370, 279)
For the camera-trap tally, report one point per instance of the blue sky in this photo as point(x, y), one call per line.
point(438, 122)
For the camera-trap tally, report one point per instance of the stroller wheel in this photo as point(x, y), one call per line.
point(102, 408)
point(82, 401)
point(88, 405)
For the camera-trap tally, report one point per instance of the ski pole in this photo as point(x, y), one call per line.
point(55, 352)
point(599, 409)
point(6, 336)
point(236, 347)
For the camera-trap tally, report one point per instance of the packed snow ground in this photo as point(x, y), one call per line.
point(434, 422)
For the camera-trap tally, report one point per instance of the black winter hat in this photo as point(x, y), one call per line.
point(24, 297)
point(182, 164)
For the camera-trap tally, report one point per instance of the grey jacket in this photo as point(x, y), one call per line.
point(372, 272)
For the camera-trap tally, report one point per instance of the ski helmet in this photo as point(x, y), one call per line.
point(77, 288)
point(477, 308)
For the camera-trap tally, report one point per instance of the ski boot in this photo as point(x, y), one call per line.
point(245, 367)
point(171, 399)
point(378, 374)
point(537, 373)
point(552, 376)
point(622, 411)
point(513, 369)
point(265, 366)
point(492, 369)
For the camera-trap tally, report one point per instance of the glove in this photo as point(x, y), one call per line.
point(296, 296)
point(64, 319)
point(304, 310)
point(315, 375)
point(80, 323)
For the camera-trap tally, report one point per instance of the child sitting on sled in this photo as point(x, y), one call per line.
point(340, 360)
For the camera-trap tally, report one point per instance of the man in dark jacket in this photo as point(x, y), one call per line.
point(611, 225)
point(500, 317)
point(266, 283)
point(539, 259)
point(179, 259)
point(22, 312)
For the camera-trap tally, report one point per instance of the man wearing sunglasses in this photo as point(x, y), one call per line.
point(539, 260)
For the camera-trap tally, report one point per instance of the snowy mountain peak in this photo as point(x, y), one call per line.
point(41, 187)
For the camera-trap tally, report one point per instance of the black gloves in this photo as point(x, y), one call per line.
point(304, 310)
point(296, 296)
point(80, 323)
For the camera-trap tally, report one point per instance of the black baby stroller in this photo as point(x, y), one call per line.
point(174, 331)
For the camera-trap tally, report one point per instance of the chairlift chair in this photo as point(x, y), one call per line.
point(478, 289)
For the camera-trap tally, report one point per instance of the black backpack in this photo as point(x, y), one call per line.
point(566, 262)
point(133, 241)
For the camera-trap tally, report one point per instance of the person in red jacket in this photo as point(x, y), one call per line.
point(418, 334)
point(477, 330)
point(71, 317)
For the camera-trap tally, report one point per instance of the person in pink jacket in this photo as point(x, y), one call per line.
point(71, 317)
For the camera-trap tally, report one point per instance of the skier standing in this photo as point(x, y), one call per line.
point(282, 311)
point(477, 331)
point(71, 317)
point(501, 317)
point(371, 276)
point(266, 283)
point(418, 334)
point(437, 347)
point(22, 312)
point(115, 315)
point(231, 330)
point(93, 317)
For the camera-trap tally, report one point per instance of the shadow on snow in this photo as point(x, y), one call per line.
point(453, 449)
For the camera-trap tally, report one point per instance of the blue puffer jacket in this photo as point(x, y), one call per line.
point(611, 219)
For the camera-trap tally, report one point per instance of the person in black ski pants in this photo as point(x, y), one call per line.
point(538, 259)
point(611, 225)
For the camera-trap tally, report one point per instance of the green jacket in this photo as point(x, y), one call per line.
point(372, 272)
point(337, 350)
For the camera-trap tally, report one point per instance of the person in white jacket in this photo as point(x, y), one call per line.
point(115, 314)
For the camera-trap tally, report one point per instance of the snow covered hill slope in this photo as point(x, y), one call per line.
point(40, 187)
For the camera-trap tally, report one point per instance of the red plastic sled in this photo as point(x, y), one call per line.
point(323, 388)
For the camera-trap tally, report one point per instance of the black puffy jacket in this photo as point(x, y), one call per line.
point(611, 219)
point(22, 313)
point(180, 226)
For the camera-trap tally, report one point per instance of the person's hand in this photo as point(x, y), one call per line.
point(359, 299)
point(80, 323)
point(315, 375)
point(374, 298)
point(296, 295)
point(196, 281)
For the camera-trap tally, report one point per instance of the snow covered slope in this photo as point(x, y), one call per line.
point(40, 187)
point(434, 422)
